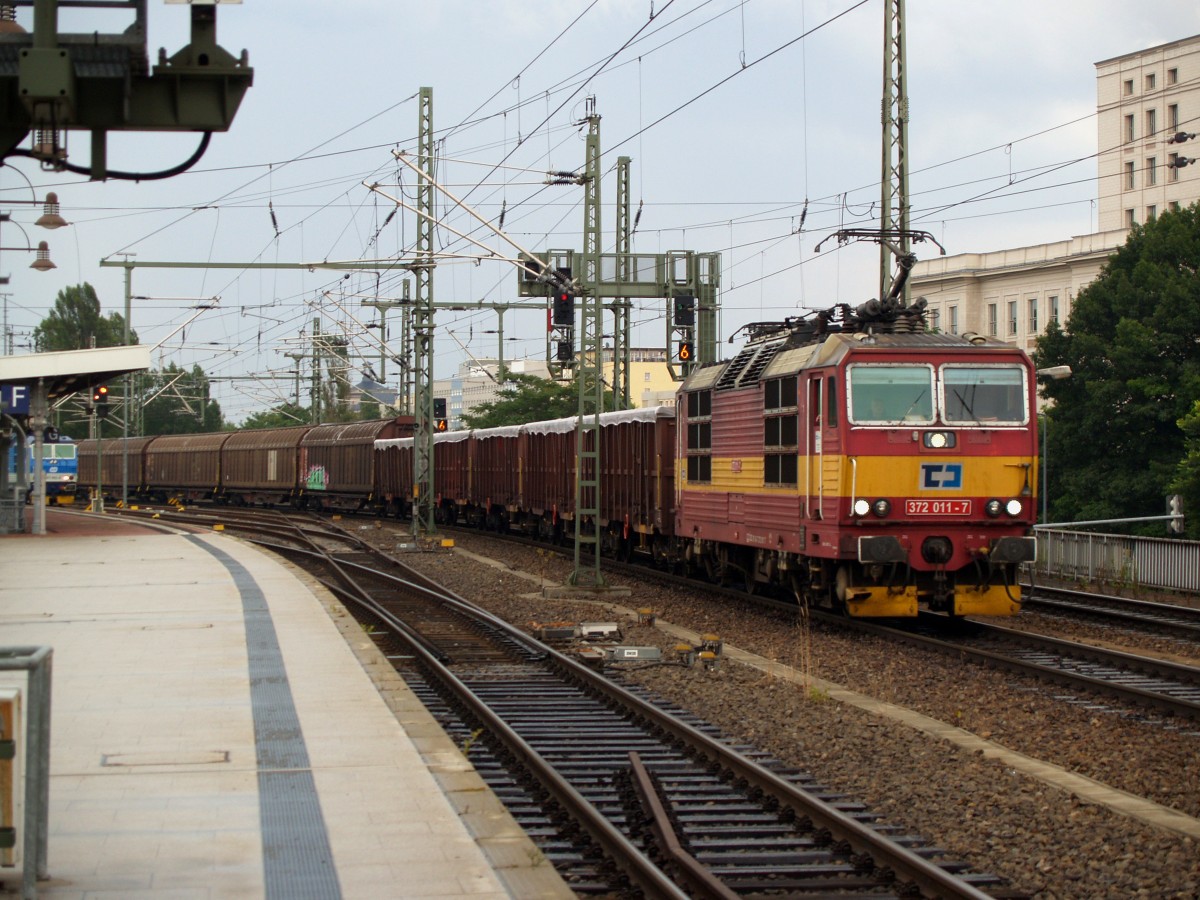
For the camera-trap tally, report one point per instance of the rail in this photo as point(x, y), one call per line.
point(1119, 560)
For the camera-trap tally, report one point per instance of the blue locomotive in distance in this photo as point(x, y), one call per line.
point(59, 462)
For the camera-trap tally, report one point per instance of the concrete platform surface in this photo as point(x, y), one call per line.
point(221, 729)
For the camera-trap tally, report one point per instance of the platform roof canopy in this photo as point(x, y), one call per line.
point(66, 372)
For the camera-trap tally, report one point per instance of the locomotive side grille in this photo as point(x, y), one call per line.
point(729, 377)
point(748, 365)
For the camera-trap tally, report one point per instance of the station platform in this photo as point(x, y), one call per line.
point(222, 728)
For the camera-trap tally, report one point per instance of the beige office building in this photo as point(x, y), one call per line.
point(1147, 115)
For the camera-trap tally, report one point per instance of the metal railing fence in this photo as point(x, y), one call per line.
point(1121, 560)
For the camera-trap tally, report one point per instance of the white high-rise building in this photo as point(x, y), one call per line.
point(1147, 116)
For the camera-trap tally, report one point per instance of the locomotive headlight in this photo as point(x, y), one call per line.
point(939, 440)
point(1013, 507)
point(861, 507)
point(992, 508)
point(881, 507)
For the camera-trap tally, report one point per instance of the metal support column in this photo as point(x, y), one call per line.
point(315, 388)
point(621, 305)
point(422, 329)
point(39, 418)
point(127, 400)
point(590, 373)
point(894, 179)
point(708, 307)
point(405, 357)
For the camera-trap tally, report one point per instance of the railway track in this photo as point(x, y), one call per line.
point(1145, 682)
point(1142, 681)
point(1166, 618)
point(626, 794)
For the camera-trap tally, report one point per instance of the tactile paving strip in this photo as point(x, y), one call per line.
point(297, 860)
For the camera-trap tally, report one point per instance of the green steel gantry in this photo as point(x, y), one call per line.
point(688, 281)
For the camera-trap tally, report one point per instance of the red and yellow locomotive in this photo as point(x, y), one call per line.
point(863, 462)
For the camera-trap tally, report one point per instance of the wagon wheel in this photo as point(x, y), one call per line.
point(749, 583)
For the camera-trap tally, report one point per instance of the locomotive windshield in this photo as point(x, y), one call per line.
point(891, 393)
point(974, 394)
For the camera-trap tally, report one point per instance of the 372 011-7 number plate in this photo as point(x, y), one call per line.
point(937, 507)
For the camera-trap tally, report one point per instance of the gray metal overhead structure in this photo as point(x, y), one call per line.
point(893, 216)
point(100, 82)
point(32, 383)
point(650, 276)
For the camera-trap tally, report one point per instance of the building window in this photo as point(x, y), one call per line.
point(1151, 213)
point(1130, 130)
point(646, 376)
point(1172, 76)
point(1129, 221)
point(992, 319)
point(1033, 318)
point(1173, 167)
point(1053, 301)
point(1129, 183)
point(1012, 316)
point(1173, 117)
point(1150, 82)
point(1151, 122)
point(1152, 170)
point(1173, 206)
point(1129, 87)
point(954, 320)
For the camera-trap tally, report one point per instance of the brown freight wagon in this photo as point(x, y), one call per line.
point(262, 465)
point(548, 475)
point(494, 489)
point(637, 462)
point(637, 470)
point(394, 474)
point(185, 466)
point(452, 474)
point(338, 462)
point(394, 470)
point(121, 461)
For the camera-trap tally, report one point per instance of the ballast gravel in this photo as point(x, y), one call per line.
point(1048, 843)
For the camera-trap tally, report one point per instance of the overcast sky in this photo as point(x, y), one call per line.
point(741, 118)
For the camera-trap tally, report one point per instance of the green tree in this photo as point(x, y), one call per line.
point(1187, 474)
point(1133, 343)
point(280, 416)
point(527, 398)
point(76, 323)
point(175, 401)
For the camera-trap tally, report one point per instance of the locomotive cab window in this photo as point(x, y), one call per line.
point(983, 394)
point(699, 436)
point(882, 394)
